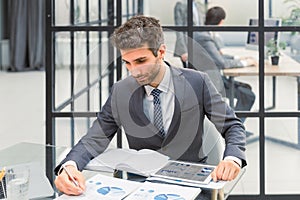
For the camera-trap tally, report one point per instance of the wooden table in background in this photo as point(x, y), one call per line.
point(287, 67)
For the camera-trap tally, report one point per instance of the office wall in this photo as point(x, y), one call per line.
point(233, 15)
point(247, 9)
point(165, 14)
point(250, 8)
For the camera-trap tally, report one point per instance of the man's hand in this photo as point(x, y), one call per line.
point(65, 184)
point(227, 170)
point(250, 61)
point(184, 57)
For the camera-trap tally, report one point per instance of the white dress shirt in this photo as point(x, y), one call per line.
point(167, 101)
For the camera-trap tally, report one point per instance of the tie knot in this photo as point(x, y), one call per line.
point(155, 92)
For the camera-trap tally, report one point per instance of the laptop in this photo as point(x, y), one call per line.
point(252, 38)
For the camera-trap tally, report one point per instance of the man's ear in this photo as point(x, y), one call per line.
point(162, 51)
point(221, 22)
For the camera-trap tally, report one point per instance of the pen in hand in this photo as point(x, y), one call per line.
point(70, 176)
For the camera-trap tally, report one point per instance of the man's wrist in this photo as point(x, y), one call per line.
point(244, 63)
point(234, 159)
point(68, 163)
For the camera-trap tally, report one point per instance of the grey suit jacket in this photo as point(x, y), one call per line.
point(195, 97)
point(212, 49)
point(180, 19)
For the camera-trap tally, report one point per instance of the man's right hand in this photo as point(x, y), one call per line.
point(250, 61)
point(65, 184)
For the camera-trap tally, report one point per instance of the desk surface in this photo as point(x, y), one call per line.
point(287, 66)
point(30, 152)
point(25, 153)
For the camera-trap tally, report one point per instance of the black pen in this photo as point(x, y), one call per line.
point(70, 176)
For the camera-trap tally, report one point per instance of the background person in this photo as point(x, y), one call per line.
point(180, 19)
point(242, 91)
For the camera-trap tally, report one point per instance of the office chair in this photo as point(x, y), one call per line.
point(213, 143)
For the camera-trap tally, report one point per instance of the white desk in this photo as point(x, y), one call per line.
point(287, 67)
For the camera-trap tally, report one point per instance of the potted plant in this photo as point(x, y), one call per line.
point(273, 50)
point(294, 17)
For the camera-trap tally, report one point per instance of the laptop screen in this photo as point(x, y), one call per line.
point(252, 38)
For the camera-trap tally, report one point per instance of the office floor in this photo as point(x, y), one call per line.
point(22, 119)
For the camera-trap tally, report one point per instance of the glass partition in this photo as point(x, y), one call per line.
point(281, 78)
point(84, 12)
point(282, 155)
point(249, 183)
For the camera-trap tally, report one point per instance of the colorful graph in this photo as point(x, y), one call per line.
point(148, 194)
point(108, 191)
point(168, 197)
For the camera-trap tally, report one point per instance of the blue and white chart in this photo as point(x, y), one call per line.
point(158, 191)
point(105, 187)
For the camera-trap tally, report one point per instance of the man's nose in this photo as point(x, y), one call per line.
point(135, 72)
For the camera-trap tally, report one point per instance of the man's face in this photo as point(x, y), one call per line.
point(143, 65)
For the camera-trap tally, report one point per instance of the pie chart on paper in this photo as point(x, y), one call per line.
point(111, 191)
point(168, 197)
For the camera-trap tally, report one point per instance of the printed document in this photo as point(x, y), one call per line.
point(106, 188)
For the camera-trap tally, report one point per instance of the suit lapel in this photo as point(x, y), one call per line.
point(179, 84)
point(136, 108)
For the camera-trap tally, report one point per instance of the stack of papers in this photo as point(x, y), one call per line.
point(105, 187)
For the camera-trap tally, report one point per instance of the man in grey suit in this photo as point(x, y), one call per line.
point(186, 97)
point(180, 19)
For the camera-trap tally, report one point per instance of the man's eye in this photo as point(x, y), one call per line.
point(140, 61)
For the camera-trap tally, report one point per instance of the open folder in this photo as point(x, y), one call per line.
point(143, 162)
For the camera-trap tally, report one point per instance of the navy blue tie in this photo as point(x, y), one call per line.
point(158, 119)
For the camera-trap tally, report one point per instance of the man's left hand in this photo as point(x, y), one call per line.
point(227, 170)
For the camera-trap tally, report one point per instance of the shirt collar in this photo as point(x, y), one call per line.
point(164, 84)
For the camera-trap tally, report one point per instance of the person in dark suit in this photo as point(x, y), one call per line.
point(180, 19)
point(242, 91)
point(186, 97)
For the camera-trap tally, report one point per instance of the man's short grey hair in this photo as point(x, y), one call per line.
point(138, 31)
